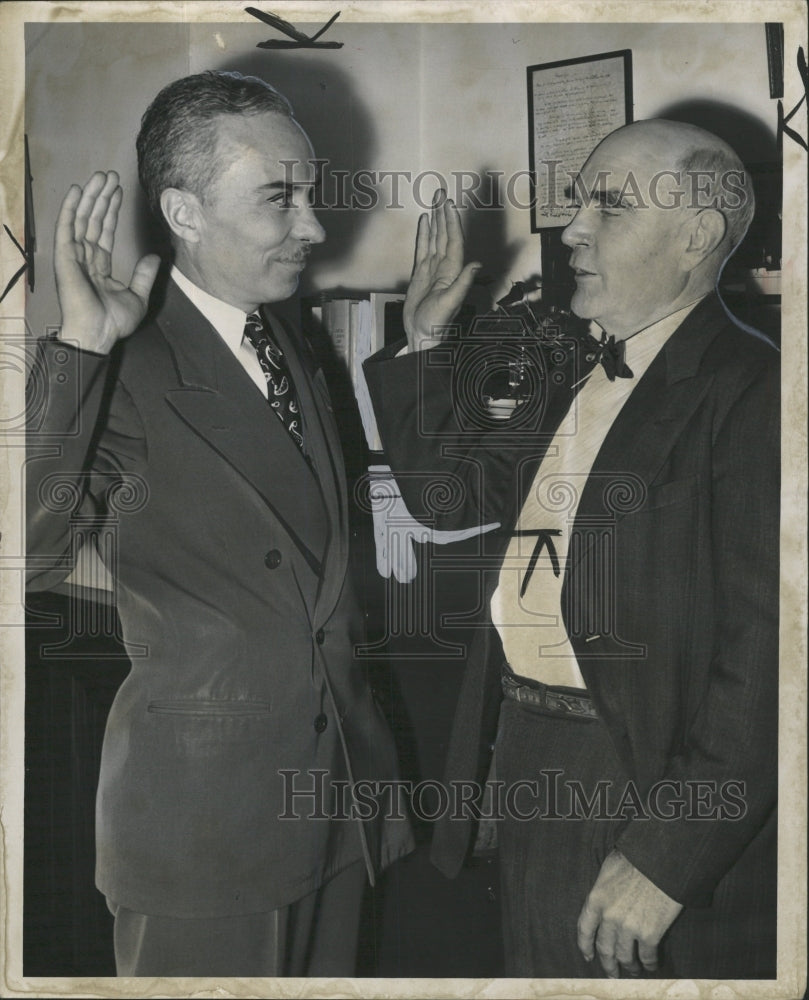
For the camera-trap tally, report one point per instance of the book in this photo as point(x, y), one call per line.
point(357, 327)
point(337, 323)
point(388, 325)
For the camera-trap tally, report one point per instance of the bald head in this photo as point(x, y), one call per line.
point(710, 173)
point(661, 206)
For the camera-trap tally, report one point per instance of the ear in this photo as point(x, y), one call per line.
point(181, 210)
point(706, 231)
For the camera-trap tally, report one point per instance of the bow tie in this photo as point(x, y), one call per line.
point(610, 354)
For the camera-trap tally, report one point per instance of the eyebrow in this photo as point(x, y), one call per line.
point(289, 188)
point(611, 198)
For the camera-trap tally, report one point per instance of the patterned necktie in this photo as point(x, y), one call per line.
point(280, 391)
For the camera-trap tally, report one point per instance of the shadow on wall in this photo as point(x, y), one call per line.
point(486, 237)
point(329, 108)
point(752, 139)
point(755, 142)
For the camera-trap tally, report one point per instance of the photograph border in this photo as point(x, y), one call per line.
point(792, 830)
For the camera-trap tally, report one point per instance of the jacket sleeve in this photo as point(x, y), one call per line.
point(451, 464)
point(83, 436)
point(732, 743)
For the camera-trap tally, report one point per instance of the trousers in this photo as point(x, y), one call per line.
point(551, 852)
point(314, 936)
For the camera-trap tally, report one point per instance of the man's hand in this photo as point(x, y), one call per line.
point(439, 282)
point(97, 310)
point(622, 909)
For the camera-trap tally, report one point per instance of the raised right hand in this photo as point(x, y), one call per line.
point(97, 310)
point(440, 281)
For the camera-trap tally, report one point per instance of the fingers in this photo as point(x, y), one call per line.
point(615, 945)
point(67, 216)
point(100, 185)
point(87, 221)
point(85, 226)
point(422, 240)
point(465, 279)
point(598, 935)
point(625, 953)
point(100, 237)
point(439, 236)
point(100, 208)
point(454, 230)
point(439, 282)
point(106, 239)
point(434, 222)
point(647, 953)
point(66, 254)
point(143, 277)
point(440, 208)
point(606, 943)
point(625, 910)
point(589, 919)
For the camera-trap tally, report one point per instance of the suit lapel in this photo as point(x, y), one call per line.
point(644, 434)
point(650, 423)
point(638, 444)
point(219, 401)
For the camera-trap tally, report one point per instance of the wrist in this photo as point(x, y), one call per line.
point(423, 341)
point(80, 340)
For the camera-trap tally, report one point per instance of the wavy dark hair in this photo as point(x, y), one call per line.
point(177, 140)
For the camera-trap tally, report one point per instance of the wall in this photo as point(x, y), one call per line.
point(406, 97)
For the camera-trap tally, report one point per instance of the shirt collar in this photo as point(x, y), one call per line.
point(642, 346)
point(227, 320)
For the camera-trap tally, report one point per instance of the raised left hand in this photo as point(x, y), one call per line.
point(624, 911)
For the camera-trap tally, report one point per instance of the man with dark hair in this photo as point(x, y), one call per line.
point(631, 647)
point(226, 840)
point(179, 129)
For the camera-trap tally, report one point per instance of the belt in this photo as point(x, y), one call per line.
point(560, 701)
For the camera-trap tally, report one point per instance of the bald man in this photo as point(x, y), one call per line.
point(627, 672)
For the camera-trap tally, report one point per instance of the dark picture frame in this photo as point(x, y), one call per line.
point(583, 99)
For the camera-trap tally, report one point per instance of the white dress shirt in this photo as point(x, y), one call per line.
point(228, 321)
point(535, 641)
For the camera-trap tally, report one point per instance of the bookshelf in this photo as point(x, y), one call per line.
point(356, 326)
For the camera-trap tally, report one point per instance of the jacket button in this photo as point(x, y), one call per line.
point(321, 721)
point(320, 637)
point(273, 559)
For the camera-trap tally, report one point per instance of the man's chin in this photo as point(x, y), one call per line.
point(580, 307)
point(281, 289)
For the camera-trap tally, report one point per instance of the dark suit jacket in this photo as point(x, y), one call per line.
point(231, 562)
point(670, 594)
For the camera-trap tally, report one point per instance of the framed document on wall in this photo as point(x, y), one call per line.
point(572, 105)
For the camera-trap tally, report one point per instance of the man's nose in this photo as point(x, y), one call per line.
point(307, 229)
point(577, 232)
